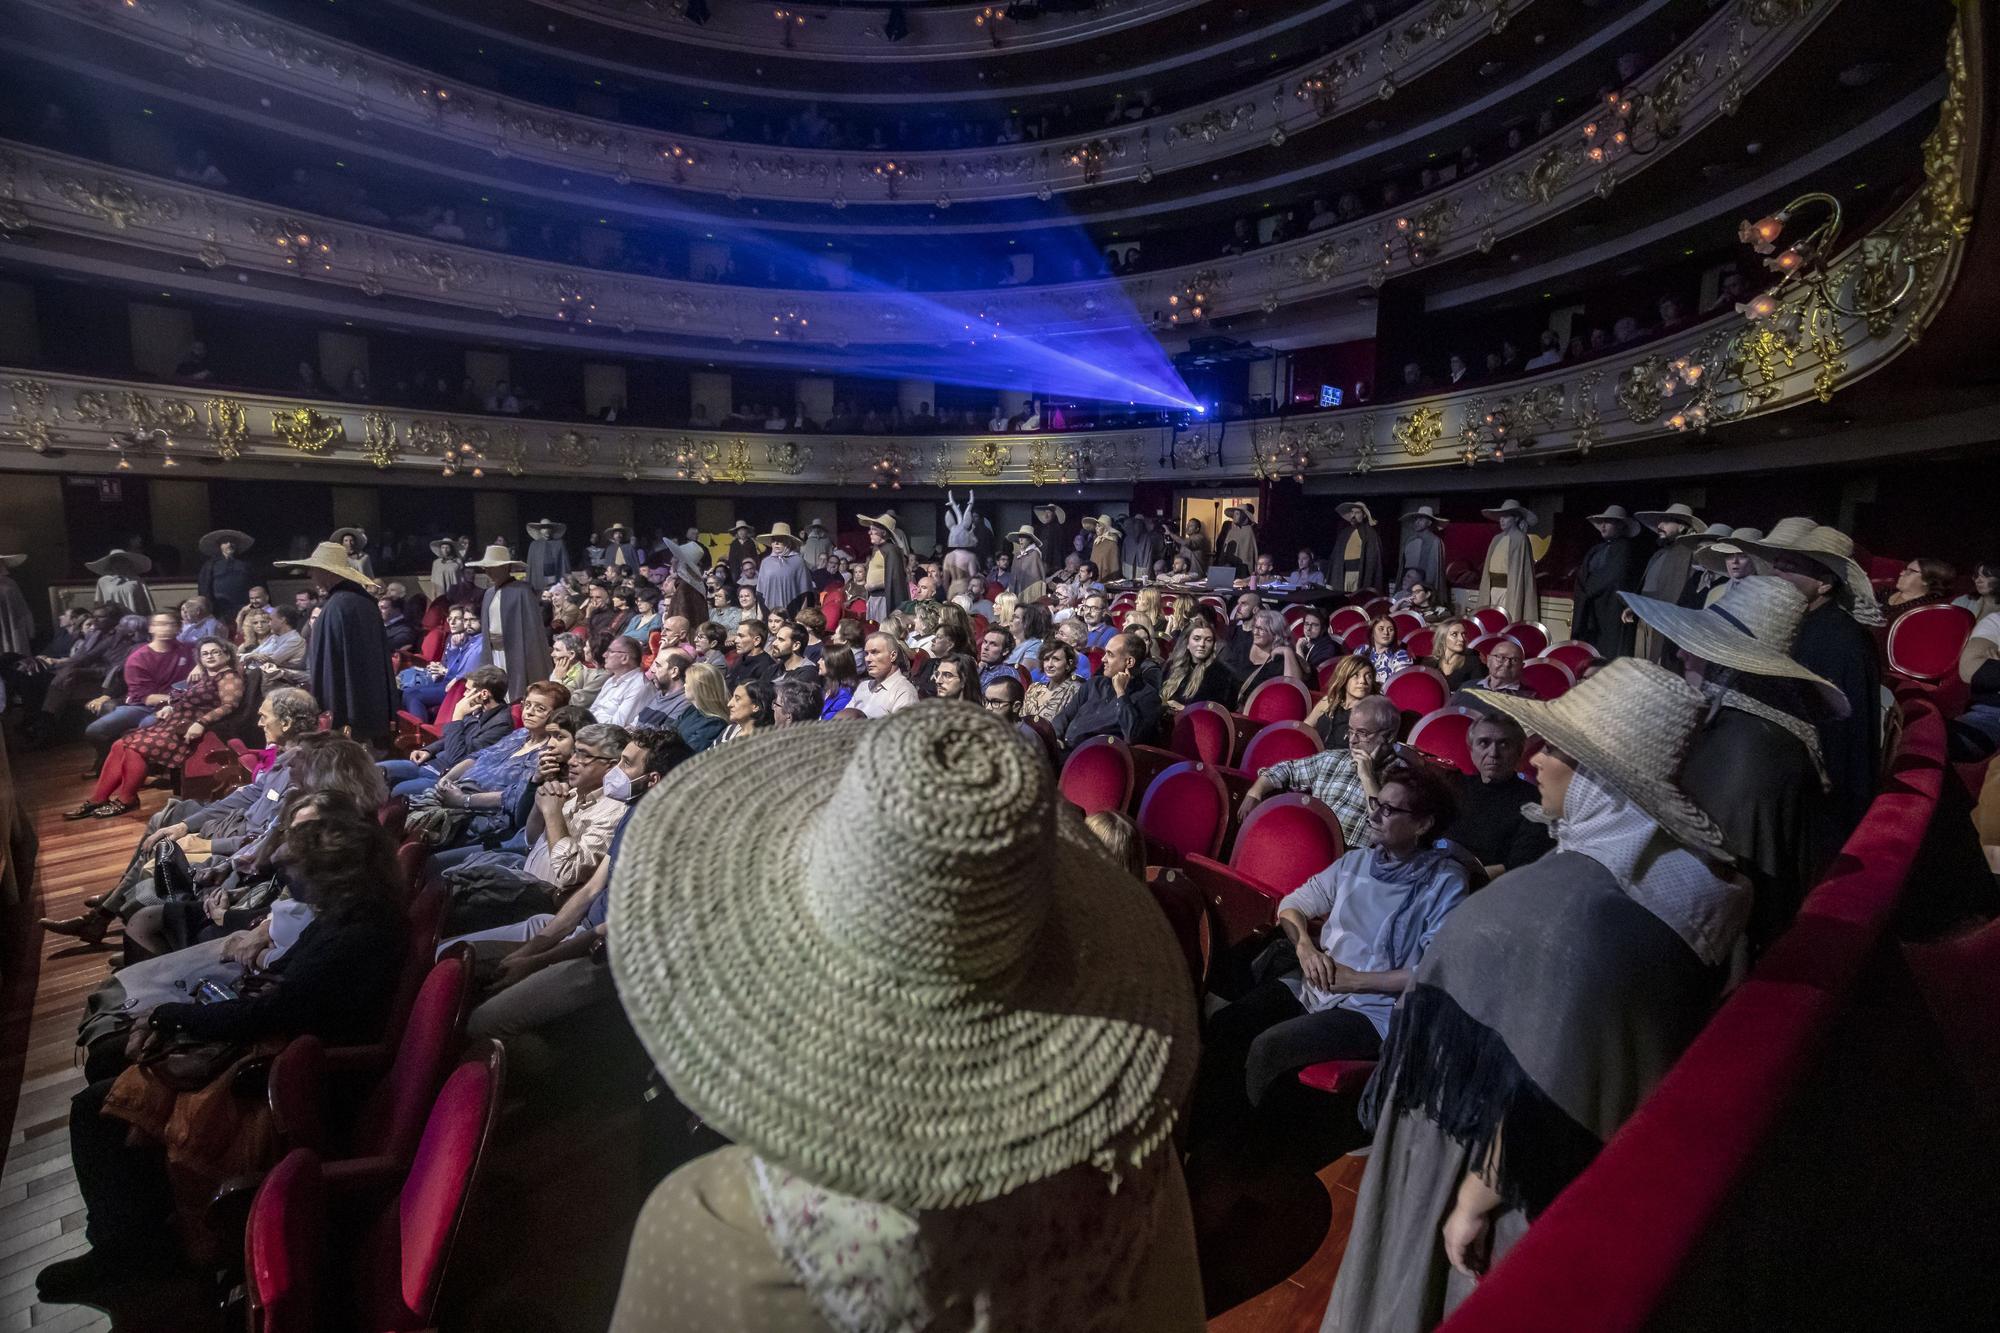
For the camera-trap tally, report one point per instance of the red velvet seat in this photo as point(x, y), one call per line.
point(1490, 619)
point(1376, 606)
point(1925, 643)
point(1148, 762)
point(1548, 678)
point(412, 858)
point(1354, 636)
point(1098, 775)
point(1346, 618)
point(1325, 673)
point(1246, 731)
point(1043, 737)
point(1278, 742)
point(1185, 810)
point(1293, 614)
point(1417, 690)
point(284, 1248)
point(1285, 841)
point(1533, 638)
point(1337, 1075)
point(1180, 899)
point(1280, 699)
point(1421, 643)
point(1485, 644)
point(1442, 735)
point(1238, 909)
point(1204, 731)
point(1214, 603)
point(1407, 623)
point(1096, 656)
point(1572, 653)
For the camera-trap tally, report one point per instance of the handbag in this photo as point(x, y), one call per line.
point(173, 877)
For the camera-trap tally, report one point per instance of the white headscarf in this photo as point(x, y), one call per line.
point(1659, 874)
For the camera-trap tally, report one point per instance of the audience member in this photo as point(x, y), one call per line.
point(1490, 825)
point(1120, 700)
point(1343, 778)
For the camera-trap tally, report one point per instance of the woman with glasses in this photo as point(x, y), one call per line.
point(1921, 582)
point(1329, 998)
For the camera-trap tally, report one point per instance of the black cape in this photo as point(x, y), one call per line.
point(1367, 567)
point(1832, 644)
point(225, 582)
point(525, 636)
point(347, 663)
point(1608, 568)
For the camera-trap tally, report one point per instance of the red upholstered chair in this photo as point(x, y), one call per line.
point(284, 1247)
point(1185, 810)
point(1293, 614)
point(1377, 606)
point(1278, 742)
point(1117, 616)
point(1925, 643)
point(1533, 638)
point(1125, 601)
point(1027, 676)
point(1096, 656)
point(1346, 618)
point(1204, 731)
point(1442, 735)
point(1490, 619)
point(1238, 909)
point(1417, 690)
point(1407, 623)
point(1548, 678)
point(1098, 775)
point(1246, 731)
point(1572, 653)
point(1422, 643)
point(1215, 604)
point(1180, 899)
point(1043, 737)
point(1337, 1075)
point(1485, 644)
point(413, 859)
point(979, 627)
point(1354, 636)
point(1285, 841)
point(1148, 762)
point(1280, 699)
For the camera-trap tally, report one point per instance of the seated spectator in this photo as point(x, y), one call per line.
point(1353, 680)
point(748, 709)
point(669, 701)
point(424, 687)
point(1197, 673)
point(1268, 656)
point(701, 723)
point(397, 631)
point(1031, 625)
point(150, 672)
point(1331, 999)
point(1490, 825)
point(1003, 697)
point(483, 782)
point(1551, 353)
point(1384, 649)
point(952, 677)
point(1122, 700)
point(796, 701)
point(1097, 630)
point(1314, 646)
point(787, 648)
point(568, 669)
point(1458, 664)
point(752, 661)
point(1984, 600)
point(1059, 684)
point(336, 983)
point(888, 688)
point(995, 647)
point(1342, 779)
point(1418, 596)
point(198, 622)
point(840, 676)
point(483, 718)
point(212, 693)
point(1504, 661)
point(1921, 582)
point(626, 691)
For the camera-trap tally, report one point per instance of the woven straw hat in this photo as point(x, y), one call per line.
point(1239, 514)
point(1023, 534)
point(547, 529)
point(1051, 514)
point(1719, 543)
point(1425, 511)
point(340, 534)
point(1630, 725)
point(1514, 509)
point(1652, 517)
point(211, 542)
point(444, 548)
point(1830, 547)
point(1367, 515)
point(332, 557)
point(743, 525)
point(1616, 514)
point(118, 560)
point(1750, 627)
point(973, 996)
point(14, 561)
point(497, 557)
point(887, 522)
point(780, 532)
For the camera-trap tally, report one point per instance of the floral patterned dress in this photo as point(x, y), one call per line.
point(207, 700)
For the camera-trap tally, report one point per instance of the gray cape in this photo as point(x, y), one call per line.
point(1424, 552)
point(1518, 599)
point(547, 561)
point(782, 580)
point(525, 638)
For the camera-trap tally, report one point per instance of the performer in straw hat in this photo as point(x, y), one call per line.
point(510, 620)
point(1237, 543)
point(1194, 545)
point(1423, 551)
point(1755, 765)
point(224, 578)
point(931, 893)
point(1357, 549)
point(743, 545)
point(1507, 575)
point(1052, 534)
point(17, 622)
point(548, 556)
point(1609, 568)
point(118, 583)
point(782, 579)
point(447, 567)
point(1025, 577)
point(1670, 574)
point(620, 549)
point(1722, 554)
point(1104, 540)
point(817, 545)
point(355, 542)
point(1548, 1006)
point(885, 580)
point(347, 652)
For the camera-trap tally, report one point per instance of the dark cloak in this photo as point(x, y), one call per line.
point(547, 561)
point(225, 582)
point(1424, 552)
point(1834, 646)
point(1367, 567)
point(1053, 538)
point(1670, 578)
point(1608, 568)
point(525, 637)
point(347, 663)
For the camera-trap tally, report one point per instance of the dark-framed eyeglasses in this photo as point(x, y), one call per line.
point(1379, 809)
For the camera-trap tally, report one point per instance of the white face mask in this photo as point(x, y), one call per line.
point(617, 786)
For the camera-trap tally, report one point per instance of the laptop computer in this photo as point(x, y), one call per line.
point(1222, 576)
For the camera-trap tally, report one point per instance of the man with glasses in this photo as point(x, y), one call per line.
point(1345, 780)
point(1003, 696)
point(1504, 661)
point(572, 822)
point(1097, 631)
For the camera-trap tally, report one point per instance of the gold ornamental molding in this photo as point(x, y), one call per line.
point(1698, 83)
point(220, 35)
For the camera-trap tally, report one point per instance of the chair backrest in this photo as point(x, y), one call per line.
point(1417, 689)
point(1481, 645)
point(1354, 636)
point(1186, 809)
point(241, 724)
point(392, 1115)
point(284, 1247)
point(1443, 735)
point(1377, 606)
point(1204, 731)
point(295, 1088)
point(1548, 678)
point(1285, 841)
point(1279, 699)
point(1925, 643)
point(1490, 619)
point(401, 1265)
point(1098, 775)
point(1407, 623)
point(1326, 670)
point(1096, 656)
point(411, 859)
point(1214, 603)
point(1293, 614)
point(1043, 737)
point(1187, 913)
point(1533, 638)
point(1346, 618)
point(1572, 653)
point(1148, 762)
point(1278, 742)
point(1238, 909)
point(1421, 643)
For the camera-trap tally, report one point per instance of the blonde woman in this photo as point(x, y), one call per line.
point(1149, 610)
point(1186, 610)
point(708, 707)
point(1197, 673)
point(1458, 663)
point(1353, 680)
point(1270, 655)
point(1003, 610)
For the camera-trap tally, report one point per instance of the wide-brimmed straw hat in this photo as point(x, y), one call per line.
point(497, 557)
point(1652, 517)
point(1024, 534)
point(1051, 514)
point(14, 561)
point(118, 560)
point(1629, 724)
point(547, 529)
point(1720, 542)
point(1750, 627)
point(972, 996)
point(780, 532)
point(340, 534)
point(444, 548)
point(1104, 523)
point(211, 542)
point(1514, 509)
point(1616, 514)
point(618, 527)
point(1425, 511)
point(1240, 514)
point(744, 525)
point(887, 522)
point(332, 557)
point(1367, 514)
point(815, 525)
point(1830, 547)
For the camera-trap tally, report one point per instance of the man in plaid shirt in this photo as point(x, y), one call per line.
point(1346, 780)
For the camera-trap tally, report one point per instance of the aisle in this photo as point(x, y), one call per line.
point(41, 1213)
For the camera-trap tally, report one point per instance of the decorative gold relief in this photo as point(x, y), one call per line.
point(1585, 412)
point(228, 427)
point(989, 458)
point(789, 458)
point(1641, 392)
point(111, 200)
point(572, 449)
point(380, 444)
point(1419, 431)
point(306, 430)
